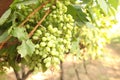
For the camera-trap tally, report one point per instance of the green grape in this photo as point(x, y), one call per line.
point(47, 49)
point(54, 53)
point(54, 16)
point(47, 34)
point(44, 39)
point(36, 51)
point(42, 44)
point(37, 46)
point(58, 4)
point(35, 37)
point(39, 32)
point(48, 59)
point(53, 7)
point(50, 27)
point(28, 26)
point(67, 2)
point(56, 60)
point(48, 64)
point(44, 55)
point(64, 28)
point(50, 44)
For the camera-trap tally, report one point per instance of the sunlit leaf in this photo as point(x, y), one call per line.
point(114, 3)
point(75, 47)
point(20, 33)
point(26, 48)
point(5, 16)
point(103, 5)
point(3, 36)
point(77, 13)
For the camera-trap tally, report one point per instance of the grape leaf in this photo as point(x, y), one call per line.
point(26, 48)
point(75, 46)
point(4, 36)
point(20, 33)
point(5, 16)
point(86, 1)
point(114, 3)
point(103, 5)
point(79, 16)
point(18, 3)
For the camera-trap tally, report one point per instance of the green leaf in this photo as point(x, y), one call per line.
point(5, 16)
point(4, 36)
point(20, 33)
point(18, 3)
point(91, 15)
point(26, 48)
point(79, 16)
point(87, 1)
point(103, 5)
point(114, 3)
point(75, 46)
point(89, 25)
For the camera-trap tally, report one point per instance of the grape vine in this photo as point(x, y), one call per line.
point(38, 33)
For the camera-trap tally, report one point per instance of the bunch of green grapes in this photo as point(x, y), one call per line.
point(53, 38)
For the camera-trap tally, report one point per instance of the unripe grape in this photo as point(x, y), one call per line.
point(64, 28)
point(64, 9)
point(59, 32)
point(44, 55)
point(50, 27)
point(36, 51)
point(54, 53)
point(60, 18)
point(69, 26)
point(55, 29)
point(56, 60)
point(48, 64)
point(66, 19)
point(48, 59)
point(58, 4)
point(42, 44)
point(53, 7)
point(47, 34)
point(50, 44)
point(67, 36)
point(60, 12)
point(35, 37)
point(39, 32)
point(28, 26)
point(37, 46)
point(44, 39)
point(67, 2)
point(47, 49)
point(54, 16)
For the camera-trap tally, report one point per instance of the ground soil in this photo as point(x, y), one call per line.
point(106, 68)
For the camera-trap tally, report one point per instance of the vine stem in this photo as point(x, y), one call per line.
point(39, 23)
point(30, 15)
point(85, 68)
point(62, 71)
point(3, 43)
point(76, 71)
point(16, 74)
point(24, 76)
